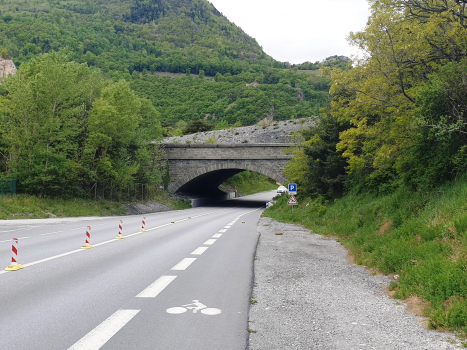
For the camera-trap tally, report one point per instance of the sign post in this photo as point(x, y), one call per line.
point(293, 189)
point(292, 201)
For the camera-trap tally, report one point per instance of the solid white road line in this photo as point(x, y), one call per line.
point(210, 241)
point(158, 286)
point(217, 235)
point(223, 230)
point(100, 335)
point(53, 257)
point(199, 251)
point(183, 265)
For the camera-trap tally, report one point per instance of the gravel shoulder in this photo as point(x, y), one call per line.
point(309, 296)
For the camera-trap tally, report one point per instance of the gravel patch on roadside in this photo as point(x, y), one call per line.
point(310, 297)
point(145, 208)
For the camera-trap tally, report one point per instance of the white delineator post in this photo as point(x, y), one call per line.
point(87, 245)
point(14, 257)
point(120, 230)
point(144, 224)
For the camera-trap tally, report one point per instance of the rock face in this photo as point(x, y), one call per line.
point(7, 67)
point(266, 131)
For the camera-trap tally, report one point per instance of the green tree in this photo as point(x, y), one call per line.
point(45, 127)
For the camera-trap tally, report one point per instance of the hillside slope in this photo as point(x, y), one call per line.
point(127, 35)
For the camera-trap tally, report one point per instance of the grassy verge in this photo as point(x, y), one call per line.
point(30, 207)
point(250, 182)
point(422, 237)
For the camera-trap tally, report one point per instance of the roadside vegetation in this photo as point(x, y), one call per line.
point(419, 236)
point(24, 206)
point(31, 207)
point(248, 182)
point(385, 170)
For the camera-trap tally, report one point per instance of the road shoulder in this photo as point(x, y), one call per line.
point(307, 295)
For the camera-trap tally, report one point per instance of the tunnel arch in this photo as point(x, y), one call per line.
point(198, 169)
point(208, 178)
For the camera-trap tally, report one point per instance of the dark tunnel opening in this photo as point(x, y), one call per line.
point(204, 190)
point(207, 185)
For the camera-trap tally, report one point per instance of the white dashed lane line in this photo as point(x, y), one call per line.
point(155, 288)
point(100, 335)
point(199, 251)
point(9, 240)
point(183, 265)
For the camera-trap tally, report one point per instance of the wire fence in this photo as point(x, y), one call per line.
point(8, 186)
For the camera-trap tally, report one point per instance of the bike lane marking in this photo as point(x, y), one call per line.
point(95, 339)
point(156, 287)
point(199, 251)
point(100, 335)
point(183, 265)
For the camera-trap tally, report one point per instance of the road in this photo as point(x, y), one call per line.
point(129, 293)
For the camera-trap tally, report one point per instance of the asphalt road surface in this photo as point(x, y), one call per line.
point(182, 284)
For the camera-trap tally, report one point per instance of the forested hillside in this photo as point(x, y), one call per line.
point(179, 64)
point(120, 36)
point(130, 39)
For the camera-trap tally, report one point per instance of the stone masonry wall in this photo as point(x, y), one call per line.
point(187, 162)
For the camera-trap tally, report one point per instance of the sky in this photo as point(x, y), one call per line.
point(297, 31)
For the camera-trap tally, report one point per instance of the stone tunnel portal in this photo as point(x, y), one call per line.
point(198, 170)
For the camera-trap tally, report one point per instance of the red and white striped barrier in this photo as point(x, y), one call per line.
point(87, 245)
point(120, 230)
point(14, 257)
point(144, 224)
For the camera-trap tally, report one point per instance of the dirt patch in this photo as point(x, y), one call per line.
point(385, 227)
point(416, 306)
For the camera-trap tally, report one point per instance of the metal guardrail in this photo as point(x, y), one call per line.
point(8, 186)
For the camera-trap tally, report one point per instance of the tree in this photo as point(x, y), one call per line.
point(45, 127)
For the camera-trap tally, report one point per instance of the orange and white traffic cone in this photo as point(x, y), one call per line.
point(14, 256)
point(87, 245)
point(120, 230)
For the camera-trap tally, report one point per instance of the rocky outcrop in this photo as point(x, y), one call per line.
point(266, 131)
point(336, 58)
point(7, 67)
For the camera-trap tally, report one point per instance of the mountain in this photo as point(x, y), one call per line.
point(124, 35)
point(158, 45)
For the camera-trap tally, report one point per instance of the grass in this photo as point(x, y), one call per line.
point(250, 182)
point(31, 207)
point(422, 237)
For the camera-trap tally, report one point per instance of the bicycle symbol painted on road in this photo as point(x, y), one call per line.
point(195, 306)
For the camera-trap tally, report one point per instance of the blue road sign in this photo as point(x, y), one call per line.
point(292, 188)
